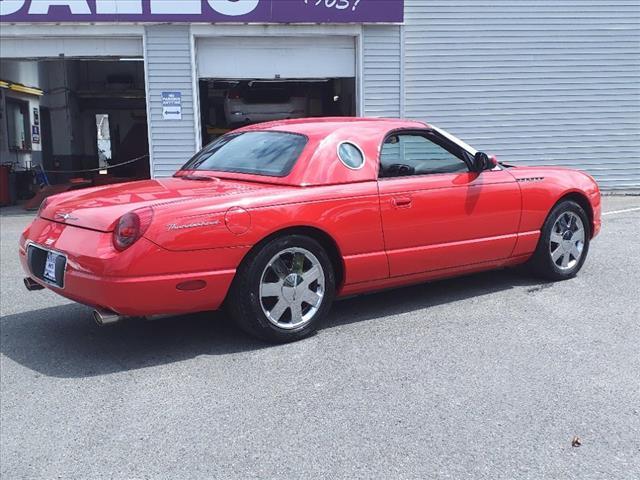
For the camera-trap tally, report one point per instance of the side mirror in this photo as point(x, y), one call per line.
point(482, 162)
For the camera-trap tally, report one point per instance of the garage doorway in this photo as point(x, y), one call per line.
point(227, 104)
point(247, 80)
point(82, 121)
point(99, 118)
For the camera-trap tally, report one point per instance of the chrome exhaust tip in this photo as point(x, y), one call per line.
point(106, 317)
point(32, 285)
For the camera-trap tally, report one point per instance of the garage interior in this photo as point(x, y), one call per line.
point(227, 104)
point(70, 121)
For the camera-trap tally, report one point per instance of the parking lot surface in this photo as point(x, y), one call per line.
point(488, 376)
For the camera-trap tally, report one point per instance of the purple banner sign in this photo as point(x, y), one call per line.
point(209, 11)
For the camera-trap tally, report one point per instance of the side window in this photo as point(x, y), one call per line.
point(420, 154)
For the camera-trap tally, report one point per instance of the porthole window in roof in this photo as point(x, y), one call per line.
point(351, 156)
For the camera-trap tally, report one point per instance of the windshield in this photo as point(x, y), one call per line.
point(259, 153)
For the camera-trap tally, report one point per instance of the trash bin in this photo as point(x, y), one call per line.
point(5, 185)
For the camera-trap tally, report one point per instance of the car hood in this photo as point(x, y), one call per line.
point(100, 208)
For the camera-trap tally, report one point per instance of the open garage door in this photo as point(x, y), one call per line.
point(71, 47)
point(276, 57)
point(249, 80)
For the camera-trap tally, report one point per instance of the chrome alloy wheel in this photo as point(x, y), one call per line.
point(292, 288)
point(567, 241)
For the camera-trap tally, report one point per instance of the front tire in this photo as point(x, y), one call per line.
point(564, 242)
point(282, 291)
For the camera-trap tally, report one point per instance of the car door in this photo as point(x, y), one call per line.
point(437, 213)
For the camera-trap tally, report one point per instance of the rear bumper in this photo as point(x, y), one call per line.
point(139, 296)
point(141, 281)
point(142, 296)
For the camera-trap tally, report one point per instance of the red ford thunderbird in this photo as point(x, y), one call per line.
point(276, 220)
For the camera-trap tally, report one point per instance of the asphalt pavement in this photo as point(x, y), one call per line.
point(483, 377)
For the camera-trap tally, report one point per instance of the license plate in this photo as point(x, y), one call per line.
point(50, 266)
point(47, 265)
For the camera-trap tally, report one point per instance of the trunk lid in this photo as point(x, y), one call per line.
point(101, 207)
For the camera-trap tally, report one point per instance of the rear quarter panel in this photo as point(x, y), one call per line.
point(349, 214)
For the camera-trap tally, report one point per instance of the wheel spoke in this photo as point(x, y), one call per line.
point(296, 312)
point(311, 297)
point(278, 309)
point(578, 234)
point(556, 237)
point(310, 276)
point(556, 254)
point(565, 260)
point(271, 289)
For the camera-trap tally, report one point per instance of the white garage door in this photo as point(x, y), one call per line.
point(276, 57)
point(43, 47)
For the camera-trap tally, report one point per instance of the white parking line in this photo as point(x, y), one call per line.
point(621, 211)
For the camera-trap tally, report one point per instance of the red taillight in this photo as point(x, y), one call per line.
point(131, 227)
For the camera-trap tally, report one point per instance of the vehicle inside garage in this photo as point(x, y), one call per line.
point(227, 104)
point(71, 123)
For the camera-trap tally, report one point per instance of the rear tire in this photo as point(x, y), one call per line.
point(282, 291)
point(564, 243)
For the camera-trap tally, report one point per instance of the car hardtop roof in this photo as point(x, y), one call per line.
point(327, 125)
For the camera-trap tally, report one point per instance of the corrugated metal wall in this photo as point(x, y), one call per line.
point(381, 70)
point(546, 82)
point(168, 69)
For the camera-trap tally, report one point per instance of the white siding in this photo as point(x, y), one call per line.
point(547, 82)
point(168, 68)
point(381, 70)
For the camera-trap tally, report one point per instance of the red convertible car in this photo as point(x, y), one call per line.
point(276, 220)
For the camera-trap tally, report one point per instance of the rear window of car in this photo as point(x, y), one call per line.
point(266, 95)
point(258, 153)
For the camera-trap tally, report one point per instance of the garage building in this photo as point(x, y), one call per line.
point(89, 84)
